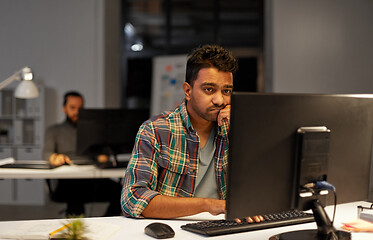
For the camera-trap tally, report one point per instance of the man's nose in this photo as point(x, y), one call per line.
point(218, 99)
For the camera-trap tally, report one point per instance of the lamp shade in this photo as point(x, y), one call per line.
point(26, 89)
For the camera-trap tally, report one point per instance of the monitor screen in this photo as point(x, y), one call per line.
point(263, 148)
point(103, 130)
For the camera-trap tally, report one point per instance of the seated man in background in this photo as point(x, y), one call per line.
point(60, 149)
point(179, 162)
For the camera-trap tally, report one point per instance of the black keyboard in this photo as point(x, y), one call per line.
point(221, 227)
point(27, 165)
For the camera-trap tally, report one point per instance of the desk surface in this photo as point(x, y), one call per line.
point(134, 228)
point(74, 171)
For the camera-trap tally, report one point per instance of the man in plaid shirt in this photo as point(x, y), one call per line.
point(179, 162)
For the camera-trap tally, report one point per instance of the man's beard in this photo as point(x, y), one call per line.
point(209, 116)
point(213, 117)
point(72, 122)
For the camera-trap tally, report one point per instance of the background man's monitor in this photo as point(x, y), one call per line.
point(103, 130)
point(263, 142)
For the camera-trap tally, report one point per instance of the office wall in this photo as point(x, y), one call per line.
point(311, 46)
point(319, 46)
point(64, 43)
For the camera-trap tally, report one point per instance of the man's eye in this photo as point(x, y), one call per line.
point(227, 91)
point(209, 89)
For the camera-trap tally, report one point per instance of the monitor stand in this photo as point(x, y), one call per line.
point(325, 229)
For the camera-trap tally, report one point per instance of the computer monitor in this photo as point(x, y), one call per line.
point(263, 142)
point(108, 131)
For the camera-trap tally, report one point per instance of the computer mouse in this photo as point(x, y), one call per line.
point(159, 230)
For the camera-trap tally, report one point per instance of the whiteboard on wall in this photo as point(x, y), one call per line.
point(167, 83)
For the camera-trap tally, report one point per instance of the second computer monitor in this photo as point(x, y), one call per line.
point(263, 148)
point(108, 131)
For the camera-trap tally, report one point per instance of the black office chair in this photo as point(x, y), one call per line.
point(52, 186)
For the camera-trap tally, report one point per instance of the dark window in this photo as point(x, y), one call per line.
point(165, 27)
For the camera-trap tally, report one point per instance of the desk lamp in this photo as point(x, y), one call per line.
point(26, 89)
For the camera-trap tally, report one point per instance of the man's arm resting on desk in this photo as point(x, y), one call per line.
point(171, 207)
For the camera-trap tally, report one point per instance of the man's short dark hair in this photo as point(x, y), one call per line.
point(71, 93)
point(209, 56)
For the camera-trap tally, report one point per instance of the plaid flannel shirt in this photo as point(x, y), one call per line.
point(165, 161)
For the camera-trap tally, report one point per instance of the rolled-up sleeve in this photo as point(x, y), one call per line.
point(140, 179)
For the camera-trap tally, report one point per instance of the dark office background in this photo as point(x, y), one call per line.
point(167, 27)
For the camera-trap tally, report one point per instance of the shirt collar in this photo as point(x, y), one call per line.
point(185, 116)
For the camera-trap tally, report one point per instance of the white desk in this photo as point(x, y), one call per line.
point(134, 228)
point(27, 187)
point(75, 171)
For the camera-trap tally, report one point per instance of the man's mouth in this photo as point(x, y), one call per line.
point(215, 109)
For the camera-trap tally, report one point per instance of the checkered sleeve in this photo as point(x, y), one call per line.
point(140, 179)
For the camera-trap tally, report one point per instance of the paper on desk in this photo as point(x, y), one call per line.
point(39, 230)
point(7, 161)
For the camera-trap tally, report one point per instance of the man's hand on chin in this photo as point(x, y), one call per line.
point(224, 115)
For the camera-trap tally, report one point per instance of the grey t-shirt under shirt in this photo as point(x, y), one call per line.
point(206, 186)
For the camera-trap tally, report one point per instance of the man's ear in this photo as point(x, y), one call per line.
point(187, 90)
point(64, 109)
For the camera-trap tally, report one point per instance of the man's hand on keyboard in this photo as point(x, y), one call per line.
point(220, 227)
point(59, 159)
point(102, 158)
point(256, 219)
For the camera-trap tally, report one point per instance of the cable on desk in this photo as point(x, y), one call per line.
point(328, 186)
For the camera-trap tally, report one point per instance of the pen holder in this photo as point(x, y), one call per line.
point(365, 213)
